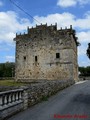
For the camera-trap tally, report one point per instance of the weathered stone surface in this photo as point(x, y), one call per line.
point(36, 54)
point(40, 91)
point(9, 111)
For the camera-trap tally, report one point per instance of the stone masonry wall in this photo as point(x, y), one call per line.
point(36, 54)
point(41, 91)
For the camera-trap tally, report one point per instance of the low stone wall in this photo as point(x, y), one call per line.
point(81, 78)
point(20, 99)
point(41, 91)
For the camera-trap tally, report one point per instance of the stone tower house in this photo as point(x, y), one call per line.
point(45, 53)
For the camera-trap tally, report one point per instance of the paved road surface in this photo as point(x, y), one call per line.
point(74, 100)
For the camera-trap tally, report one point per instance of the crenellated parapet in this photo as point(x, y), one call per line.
point(44, 29)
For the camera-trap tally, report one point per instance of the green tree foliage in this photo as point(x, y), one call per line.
point(84, 71)
point(88, 51)
point(7, 69)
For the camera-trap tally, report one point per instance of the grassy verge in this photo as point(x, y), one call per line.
point(10, 83)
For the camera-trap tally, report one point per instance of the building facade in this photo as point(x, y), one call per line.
point(45, 53)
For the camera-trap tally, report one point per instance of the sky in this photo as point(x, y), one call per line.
point(62, 12)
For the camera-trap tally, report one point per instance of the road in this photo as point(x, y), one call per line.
point(73, 101)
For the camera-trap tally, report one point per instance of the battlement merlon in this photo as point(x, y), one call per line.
point(32, 30)
point(42, 28)
point(45, 27)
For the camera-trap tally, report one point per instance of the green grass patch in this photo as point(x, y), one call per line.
point(44, 98)
point(10, 83)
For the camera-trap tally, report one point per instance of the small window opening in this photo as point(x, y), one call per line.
point(35, 36)
point(57, 55)
point(35, 58)
point(50, 64)
point(24, 57)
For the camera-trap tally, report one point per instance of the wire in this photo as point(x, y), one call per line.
point(24, 11)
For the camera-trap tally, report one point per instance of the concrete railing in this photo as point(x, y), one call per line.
point(11, 102)
point(10, 97)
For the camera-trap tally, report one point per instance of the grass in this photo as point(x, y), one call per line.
point(10, 83)
point(44, 98)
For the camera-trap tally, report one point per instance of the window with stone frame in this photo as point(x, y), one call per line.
point(57, 55)
point(24, 57)
point(35, 58)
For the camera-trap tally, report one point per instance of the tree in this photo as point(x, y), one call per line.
point(88, 51)
point(84, 71)
point(7, 70)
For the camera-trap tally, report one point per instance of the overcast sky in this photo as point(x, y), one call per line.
point(64, 12)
